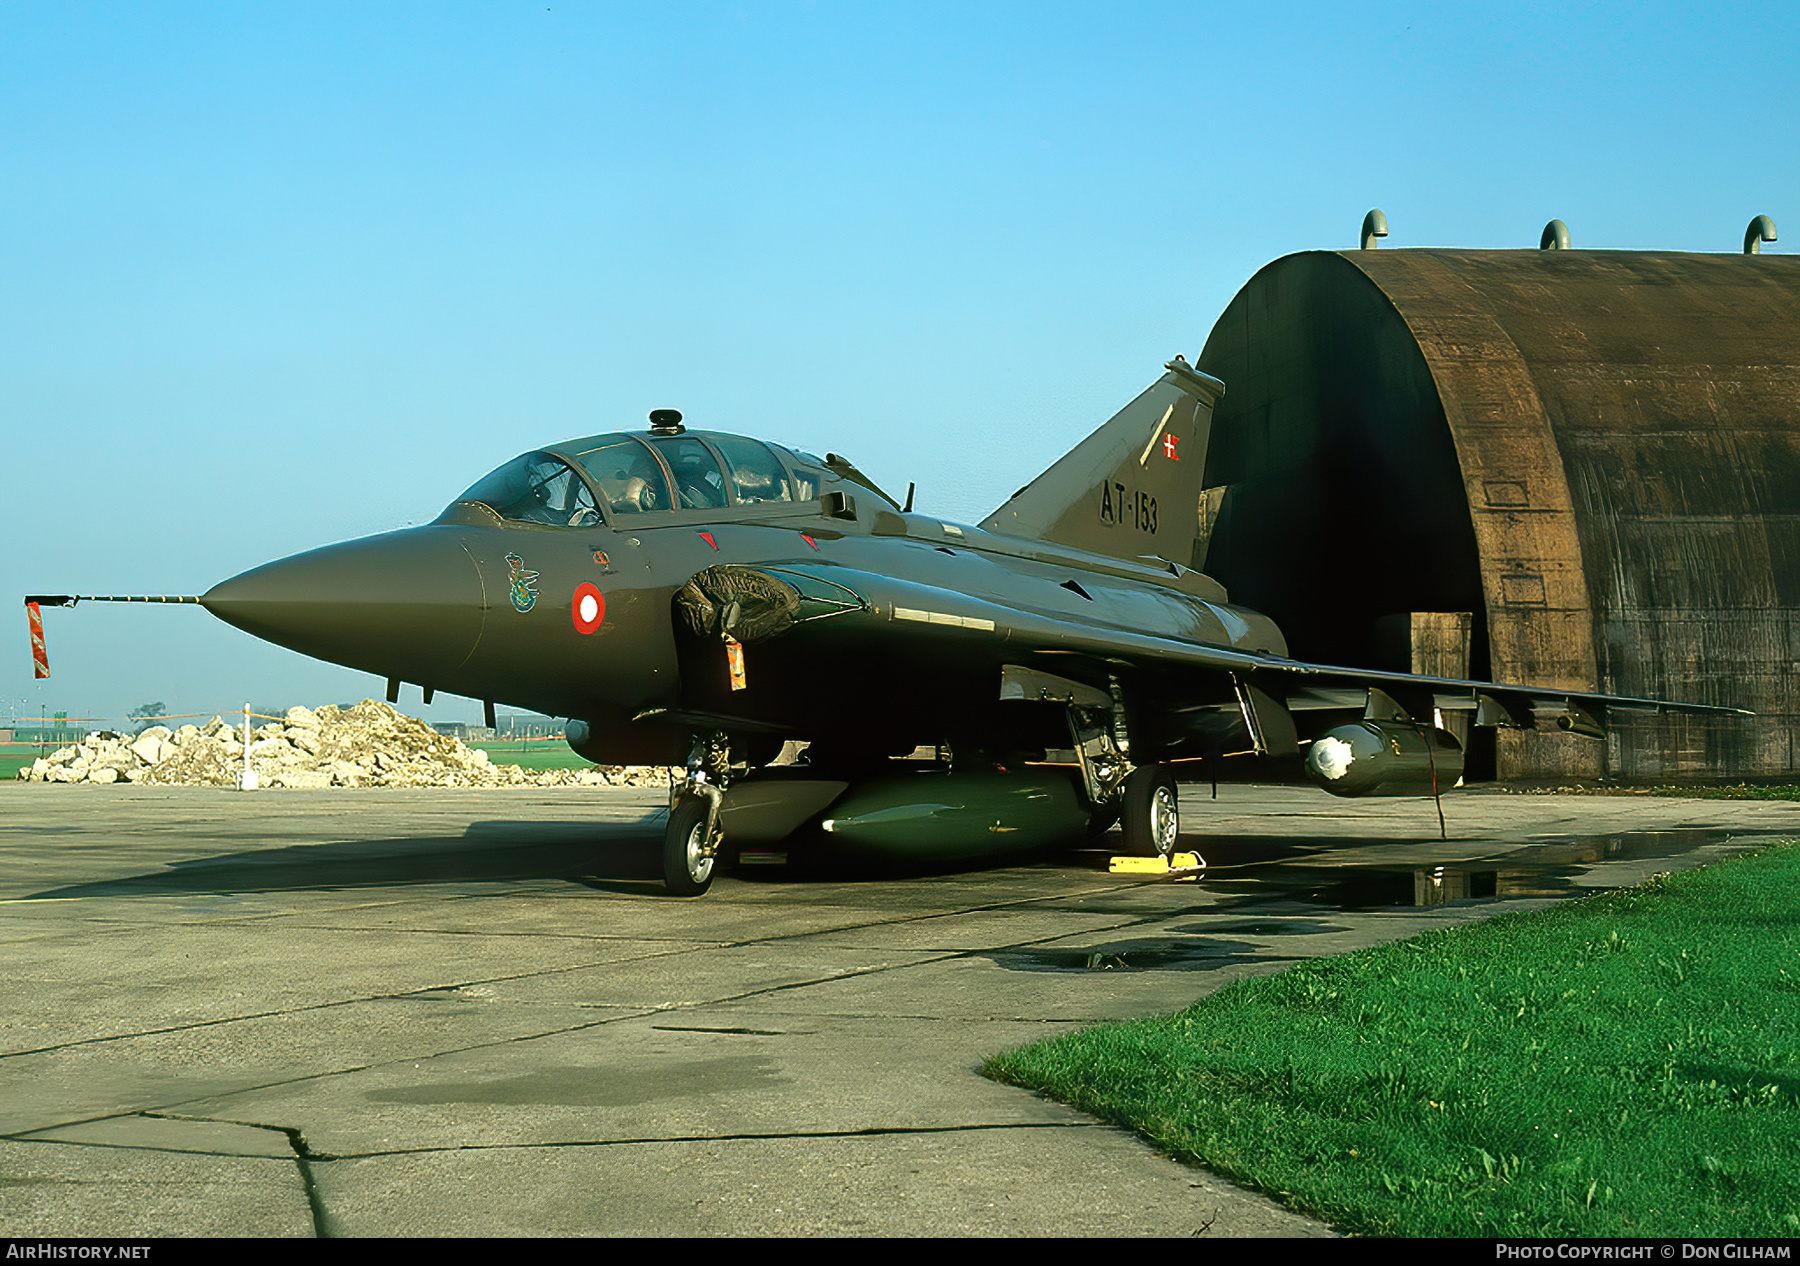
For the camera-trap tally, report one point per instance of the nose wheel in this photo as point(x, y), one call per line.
point(689, 851)
point(1150, 816)
point(692, 838)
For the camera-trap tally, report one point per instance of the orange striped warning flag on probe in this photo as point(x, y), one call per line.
point(40, 655)
point(33, 601)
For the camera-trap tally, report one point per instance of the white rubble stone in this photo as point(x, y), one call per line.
point(371, 744)
point(301, 778)
point(306, 739)
point(151, 748)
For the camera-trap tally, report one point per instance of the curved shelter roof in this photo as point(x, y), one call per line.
point(1594, 453)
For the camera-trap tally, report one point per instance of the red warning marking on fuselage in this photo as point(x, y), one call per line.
point(588, 609)
point(708, 538)
point(809, 540)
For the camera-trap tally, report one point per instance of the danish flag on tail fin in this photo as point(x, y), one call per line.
point(1132, 488)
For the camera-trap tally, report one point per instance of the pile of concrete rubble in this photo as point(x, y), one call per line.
point(369, 745)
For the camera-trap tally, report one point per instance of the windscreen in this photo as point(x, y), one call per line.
point(537, 488)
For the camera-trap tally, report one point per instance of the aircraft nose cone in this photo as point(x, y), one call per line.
point(405, 604)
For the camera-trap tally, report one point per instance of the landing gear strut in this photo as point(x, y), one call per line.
point(692, 839)
point(1142, 798)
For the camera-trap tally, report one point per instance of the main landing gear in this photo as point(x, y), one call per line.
point(1141, 797)
point(1150, 817)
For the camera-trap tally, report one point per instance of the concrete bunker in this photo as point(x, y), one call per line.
point(1576, 468)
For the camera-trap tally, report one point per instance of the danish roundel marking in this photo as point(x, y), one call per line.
point(588, 608)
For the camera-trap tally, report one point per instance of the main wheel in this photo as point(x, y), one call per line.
point(1152, 813)
point(687, 866)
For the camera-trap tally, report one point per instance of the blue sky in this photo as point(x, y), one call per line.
point(278, 275)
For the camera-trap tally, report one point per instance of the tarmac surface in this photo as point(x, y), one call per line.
point(448, 1012)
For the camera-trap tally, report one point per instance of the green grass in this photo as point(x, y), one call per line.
point(534, 756)
point(1739, 791)
point(1625, 1065)
point(1685, 791)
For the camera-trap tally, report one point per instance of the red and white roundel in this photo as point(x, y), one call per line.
point(589, 608)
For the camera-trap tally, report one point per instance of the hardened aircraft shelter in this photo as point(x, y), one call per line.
point(1561, 466)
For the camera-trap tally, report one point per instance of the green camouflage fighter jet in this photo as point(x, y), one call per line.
point(692, 596)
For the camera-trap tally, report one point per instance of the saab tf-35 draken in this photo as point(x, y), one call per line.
point(700, 598)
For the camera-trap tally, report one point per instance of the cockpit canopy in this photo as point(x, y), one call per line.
point(537, 488)
point(608, 478)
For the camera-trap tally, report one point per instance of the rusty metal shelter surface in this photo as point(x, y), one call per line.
point(1594, 453)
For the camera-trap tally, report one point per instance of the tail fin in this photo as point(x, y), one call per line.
point(1132, 488)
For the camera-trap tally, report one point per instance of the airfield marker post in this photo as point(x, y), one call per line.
point(247, 779)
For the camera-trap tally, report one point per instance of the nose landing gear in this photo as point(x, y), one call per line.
point(690, 845)
point(692, 839)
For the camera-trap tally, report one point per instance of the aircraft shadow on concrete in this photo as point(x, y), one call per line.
point(807, 861)
point(486, 852)
point(1243, 872)
point(1185, 952)
point(611, 856)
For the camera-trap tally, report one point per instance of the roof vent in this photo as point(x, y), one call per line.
point(1762, 229)
point(1374, 226)
point(1555, 238)
point(666, 422)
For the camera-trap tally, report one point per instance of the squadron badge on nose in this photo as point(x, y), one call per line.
point(524, 583)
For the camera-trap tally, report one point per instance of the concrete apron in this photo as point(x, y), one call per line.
point(444, 1012)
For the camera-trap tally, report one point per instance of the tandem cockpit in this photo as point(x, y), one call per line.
point(622, 479)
